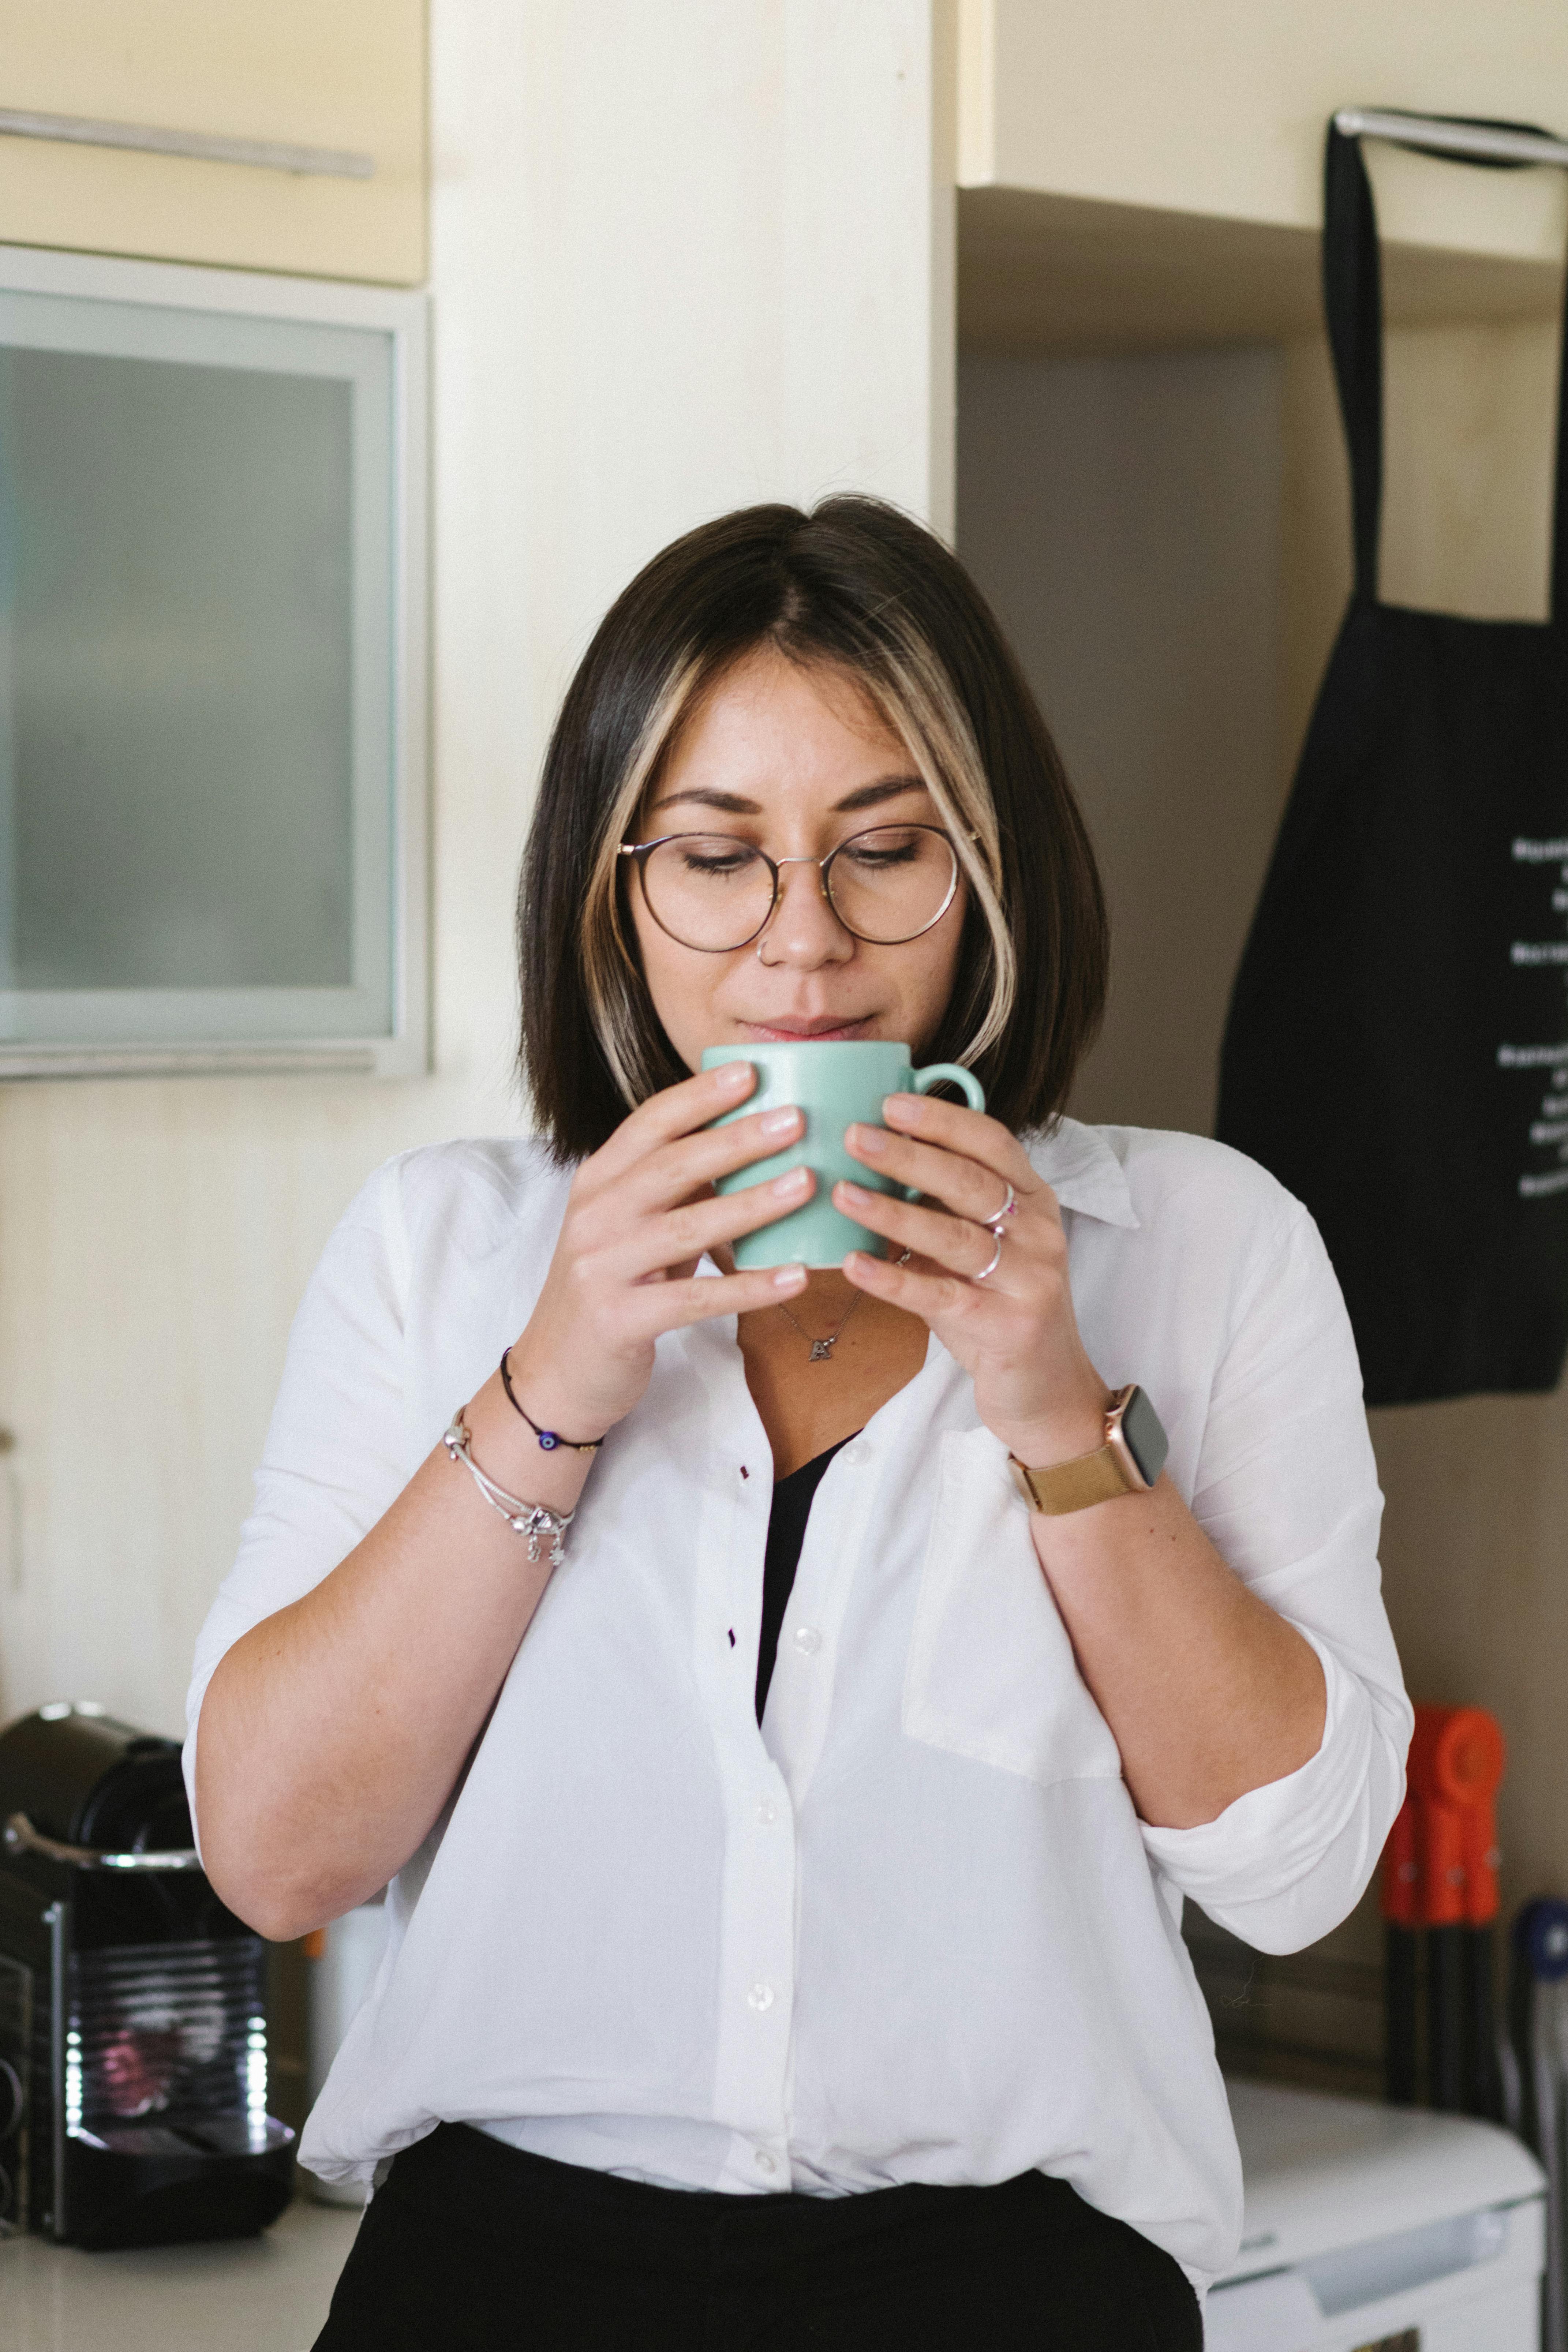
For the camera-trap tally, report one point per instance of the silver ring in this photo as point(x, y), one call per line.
point(995, 1260)
point(1009, 1209)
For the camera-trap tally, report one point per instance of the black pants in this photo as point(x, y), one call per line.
point(470, 2243)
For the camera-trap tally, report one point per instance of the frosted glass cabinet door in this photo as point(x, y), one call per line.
point(211, 637)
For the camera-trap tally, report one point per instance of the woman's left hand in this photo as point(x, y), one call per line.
point(1014, 1332)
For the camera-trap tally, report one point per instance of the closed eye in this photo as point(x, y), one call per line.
point(711, 857)
point(880, 851)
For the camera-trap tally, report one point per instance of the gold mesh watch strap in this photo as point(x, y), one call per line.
point(1071, 1486)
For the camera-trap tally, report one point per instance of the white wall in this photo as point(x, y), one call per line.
point(682, 258)
point(1123, 515)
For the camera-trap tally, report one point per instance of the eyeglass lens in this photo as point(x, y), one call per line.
point(712, 891)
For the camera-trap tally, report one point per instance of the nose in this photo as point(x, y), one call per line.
point(802, 929)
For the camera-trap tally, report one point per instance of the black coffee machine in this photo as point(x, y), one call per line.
point(132, 2023)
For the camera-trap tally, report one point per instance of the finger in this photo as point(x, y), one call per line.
point(676, 1170)
point(671, 1305)
point(656, 1244)
point(953, 1127)
point(963, 1184)
point(674, 1110)
point(935, 1298)
point(955, 1243)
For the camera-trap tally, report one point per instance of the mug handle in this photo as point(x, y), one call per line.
point(973, 1094)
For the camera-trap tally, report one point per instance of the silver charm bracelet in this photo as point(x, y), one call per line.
point(529, 1519)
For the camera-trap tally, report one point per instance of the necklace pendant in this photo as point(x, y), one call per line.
point(822, 1350)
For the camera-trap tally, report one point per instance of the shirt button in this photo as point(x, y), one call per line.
point(857, 1455)
point(806, 1639)
point(760, 1996)
point(766, 1813)
point(766, 2163)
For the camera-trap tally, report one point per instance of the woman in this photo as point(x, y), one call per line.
point(784, 1935)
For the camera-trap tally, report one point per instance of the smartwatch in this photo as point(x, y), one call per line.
point(1130, 1459)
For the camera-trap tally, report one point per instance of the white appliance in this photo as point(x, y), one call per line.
point(1368, 2227)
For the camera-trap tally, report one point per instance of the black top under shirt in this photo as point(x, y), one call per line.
point(793, 1500)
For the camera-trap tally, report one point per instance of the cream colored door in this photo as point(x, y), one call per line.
point(345, 79)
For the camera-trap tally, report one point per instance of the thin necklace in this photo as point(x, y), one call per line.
point(822, 1349)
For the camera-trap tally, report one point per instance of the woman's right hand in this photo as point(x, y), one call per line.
point(641, 1215)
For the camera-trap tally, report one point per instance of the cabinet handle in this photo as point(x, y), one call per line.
point(265, 154)
point(1482, 143)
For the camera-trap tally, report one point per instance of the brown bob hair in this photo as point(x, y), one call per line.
point(858, 585)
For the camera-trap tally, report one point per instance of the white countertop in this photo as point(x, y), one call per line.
point(250, 2294)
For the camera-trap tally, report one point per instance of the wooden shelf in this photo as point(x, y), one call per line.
point(1073, 275)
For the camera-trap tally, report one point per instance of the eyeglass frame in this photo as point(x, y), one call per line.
point(642, 850)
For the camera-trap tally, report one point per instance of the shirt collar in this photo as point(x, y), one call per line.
point(1083, 1172)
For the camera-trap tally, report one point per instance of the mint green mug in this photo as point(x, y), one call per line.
point(836, 1085)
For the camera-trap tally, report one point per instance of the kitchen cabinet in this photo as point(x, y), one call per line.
point(1139, 177)
point(212, 709)
point(346, 81)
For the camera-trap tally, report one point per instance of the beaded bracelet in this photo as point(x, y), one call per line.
point(529, 1519)
point(549, 1438)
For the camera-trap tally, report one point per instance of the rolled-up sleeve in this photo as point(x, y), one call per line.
point(1286, 1491)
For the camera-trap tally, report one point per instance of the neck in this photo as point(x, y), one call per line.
point(828, 1293)
point(810, 1396)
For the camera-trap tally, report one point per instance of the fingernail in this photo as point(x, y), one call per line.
point(734, 1077)
point(906, 1103)
point(780, 1122)
point(795, 1181)
point(870, 1140)
point(789, 1277)
point(853, 1192)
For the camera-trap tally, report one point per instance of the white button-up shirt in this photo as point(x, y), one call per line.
point(911, 1928)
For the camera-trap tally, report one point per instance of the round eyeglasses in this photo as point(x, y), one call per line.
point(715, 893)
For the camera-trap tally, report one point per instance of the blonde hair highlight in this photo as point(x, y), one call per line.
point(910, 691)
point(617, 991)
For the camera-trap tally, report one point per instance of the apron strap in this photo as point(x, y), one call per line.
point(1352, 303)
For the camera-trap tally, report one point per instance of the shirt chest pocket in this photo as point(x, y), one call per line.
point(991, 1671)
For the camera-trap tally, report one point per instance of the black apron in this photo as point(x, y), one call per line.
point(1396, 1050)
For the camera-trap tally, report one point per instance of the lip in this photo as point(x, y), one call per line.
point(799, 1033)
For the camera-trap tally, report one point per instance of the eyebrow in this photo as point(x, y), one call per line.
point(864, 796)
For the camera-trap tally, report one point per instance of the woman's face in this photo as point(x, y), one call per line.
point(792, 761)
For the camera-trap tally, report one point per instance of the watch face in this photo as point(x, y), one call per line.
point(1145, 1433)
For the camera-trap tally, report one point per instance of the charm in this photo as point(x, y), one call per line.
point(822, 1349)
